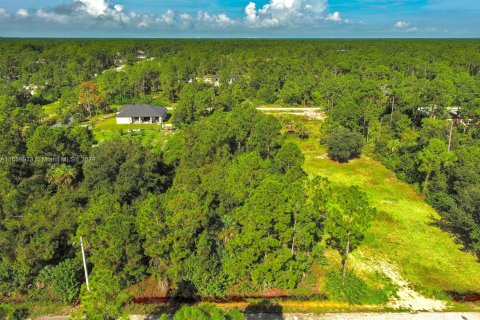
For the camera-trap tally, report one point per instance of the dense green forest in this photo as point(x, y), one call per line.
point(226, 207)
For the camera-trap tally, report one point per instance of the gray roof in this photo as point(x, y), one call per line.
point(141, 110)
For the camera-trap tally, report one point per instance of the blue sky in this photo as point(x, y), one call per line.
point(241, 18)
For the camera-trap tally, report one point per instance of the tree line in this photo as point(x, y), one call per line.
point(227, 206)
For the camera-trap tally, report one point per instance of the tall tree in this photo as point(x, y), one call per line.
point(348, 218)
point(432, 158)
point(89, 98)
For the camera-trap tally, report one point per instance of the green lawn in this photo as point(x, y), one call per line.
point(110, 124)
point(105, 128)
point(404, 232)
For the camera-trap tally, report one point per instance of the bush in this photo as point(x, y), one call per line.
point(62, 280)
point(190, 312)
point(12, 313)
point(355, 290)
point(3, 311)
point(106, 299)
point(344, 144)
point(302, 131)
point(205, 312)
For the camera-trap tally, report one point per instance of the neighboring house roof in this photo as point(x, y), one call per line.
point(141, 110)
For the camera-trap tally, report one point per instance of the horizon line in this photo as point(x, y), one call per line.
point(236, 38)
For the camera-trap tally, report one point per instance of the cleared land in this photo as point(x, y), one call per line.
point(404, 235)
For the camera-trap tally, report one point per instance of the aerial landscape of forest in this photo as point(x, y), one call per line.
point(287, 175)
point(240, 160)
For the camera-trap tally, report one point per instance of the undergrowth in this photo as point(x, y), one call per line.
point(354, 290)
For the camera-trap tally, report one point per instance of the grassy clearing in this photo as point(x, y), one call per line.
point(404, 232)
point(110, 124)
point(105, 128)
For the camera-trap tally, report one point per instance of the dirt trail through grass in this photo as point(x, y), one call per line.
point(406, 298)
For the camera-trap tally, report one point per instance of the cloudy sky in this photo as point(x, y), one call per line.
point(240, 18)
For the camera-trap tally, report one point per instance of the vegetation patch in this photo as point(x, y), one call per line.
point(398, 233)
point(354, 290)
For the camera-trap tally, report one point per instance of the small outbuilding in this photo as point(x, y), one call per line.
point(141, 114)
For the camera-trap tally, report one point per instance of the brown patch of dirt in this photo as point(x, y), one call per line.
point(150, 287)
point(406, 298)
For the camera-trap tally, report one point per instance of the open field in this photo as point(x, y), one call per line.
point(404, 235)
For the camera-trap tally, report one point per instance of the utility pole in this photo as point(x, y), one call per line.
point(84, 263)
point(450, 135)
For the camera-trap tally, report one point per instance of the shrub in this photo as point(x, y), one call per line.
point(205, 312)
point(62, 280)
point(3, 311)
point(355, 290)
point(190, 312)
point(106, 299)
point(343, 144)
point(234, 314)
point(12, 313)
point(302, 131)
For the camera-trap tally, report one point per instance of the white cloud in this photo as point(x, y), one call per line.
point(107, 13)
point(185, 21)
point(402, 24)
point(224, 20)
point(3, 13)
point(98, 12)
point(205, 19)
point(95, 7)
point(284, 12)
point(118, 7)
point(23, 13)
point(51, 16)
point(405, 26)
point(168, 17)
point(251, 13)
point(90, 11)
point(334, 17)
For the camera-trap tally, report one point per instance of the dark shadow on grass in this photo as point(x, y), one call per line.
point(264, 310)
point(20, 314)
point(460, 236)
point(185, 294)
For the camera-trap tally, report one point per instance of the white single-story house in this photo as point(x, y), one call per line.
point(141, 114)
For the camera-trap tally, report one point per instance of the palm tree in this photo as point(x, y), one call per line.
point(61, 175)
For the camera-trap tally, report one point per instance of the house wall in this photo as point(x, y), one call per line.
point(124, 120)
